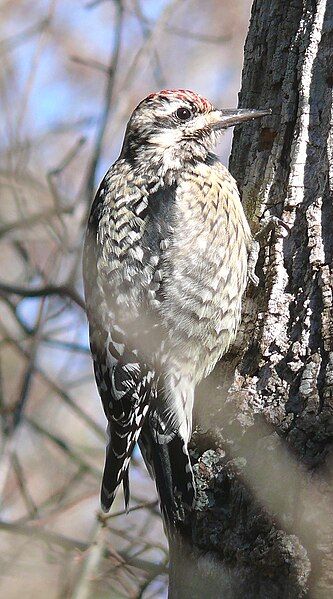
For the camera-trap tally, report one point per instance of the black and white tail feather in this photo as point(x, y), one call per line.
point(128, 405)
point(169, 464)
point(163, 448)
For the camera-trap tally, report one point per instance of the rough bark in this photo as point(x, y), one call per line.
point(263, 524)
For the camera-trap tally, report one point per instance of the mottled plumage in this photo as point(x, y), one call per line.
point(165, 268)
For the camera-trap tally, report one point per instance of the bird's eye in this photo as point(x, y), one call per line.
point(184, 114)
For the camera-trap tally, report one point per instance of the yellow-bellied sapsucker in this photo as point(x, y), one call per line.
point(165, 266)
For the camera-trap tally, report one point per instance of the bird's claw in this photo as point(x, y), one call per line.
point(269, 223)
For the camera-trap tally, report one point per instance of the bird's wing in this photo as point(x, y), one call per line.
point(122, 260)
point(124, 385)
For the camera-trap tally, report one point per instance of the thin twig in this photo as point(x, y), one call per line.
point(182, 32)
point(22, 483)
point(12, 427)
point(44, 535)
point(32, 74)
point(137, 64)
point(57, 499)
point(20, 38)
point(59, 391)
point(157, 67)
point(55, 172)
point(61, 290)
point(135, 539)
point(13, 308)
point(91, 563)
point(198, 37)
point(63, 445)
point(95, 3)
point(66, 345)
point(91, 63)
point(148, 504)
point(147, 583)
point(54, 129)
point(34, 219)
point(71, 544)
point(108, 97)
point(28, 374)
point(69, 157)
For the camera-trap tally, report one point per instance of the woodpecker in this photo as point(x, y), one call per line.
point(167, 256)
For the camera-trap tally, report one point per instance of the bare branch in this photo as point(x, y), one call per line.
point(71, 544)
point(20, 38)
point(22, 482)
point(158, 73)
point(32, 74)
point(49, 290)
point(58, 390)
point(95, 3)
point(180, 31)
point(61, 444)
point(44, 535)
point(108, 97)
point(91, 563)
point(147, 505)
point(91, 63)
point(34, 219)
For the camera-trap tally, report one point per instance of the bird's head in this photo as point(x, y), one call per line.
point(175, 125)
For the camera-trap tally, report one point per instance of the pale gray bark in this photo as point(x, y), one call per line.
point(263, 526)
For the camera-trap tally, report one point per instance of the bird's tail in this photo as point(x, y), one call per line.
point(115, 473)
point(117, 460)
point(170, 465)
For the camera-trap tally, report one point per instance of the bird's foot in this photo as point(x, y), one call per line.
point(266, 226)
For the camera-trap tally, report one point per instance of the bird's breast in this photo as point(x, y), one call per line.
point(206, 270)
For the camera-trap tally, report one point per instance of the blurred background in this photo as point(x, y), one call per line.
point(71, 73)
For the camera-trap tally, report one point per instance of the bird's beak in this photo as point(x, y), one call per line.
point(234, 116)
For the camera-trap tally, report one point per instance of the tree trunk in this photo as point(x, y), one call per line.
point(263, 524)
